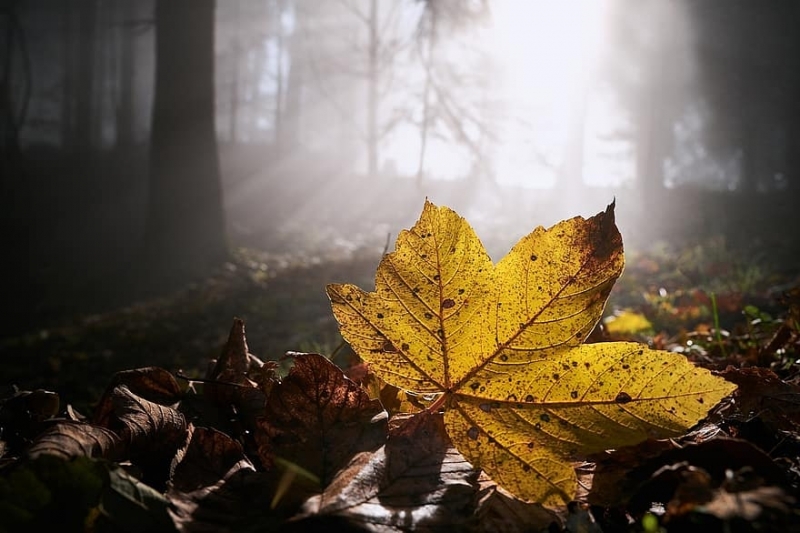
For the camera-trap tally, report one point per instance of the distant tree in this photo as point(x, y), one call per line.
point(185, 232)
point(81, 135)
point(749, 78)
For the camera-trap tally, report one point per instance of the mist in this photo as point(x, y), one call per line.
point(143, 141)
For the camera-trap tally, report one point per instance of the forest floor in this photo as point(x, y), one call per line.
point(717, 307)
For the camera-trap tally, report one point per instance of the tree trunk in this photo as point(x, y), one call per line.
point(82, 134)
point(124, 110)
point(372, 92)
point(426, 90)
point(185, 233)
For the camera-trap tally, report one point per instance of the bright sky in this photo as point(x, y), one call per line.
point(546, 52)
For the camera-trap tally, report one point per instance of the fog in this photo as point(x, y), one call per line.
point(334, 120)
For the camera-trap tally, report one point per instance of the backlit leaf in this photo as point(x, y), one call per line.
point(503, 347)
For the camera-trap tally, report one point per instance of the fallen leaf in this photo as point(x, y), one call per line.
point(499, 511)
point(416, 481)
point(214, 485)
point(150, 383)
point(503, 347)
point(67, 439)
point(318, 419)
point(209, 456)
point(627, 323)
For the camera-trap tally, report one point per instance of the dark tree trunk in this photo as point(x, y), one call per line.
point(82, 134)
point(124, 118)
point(185, 233)
point(17, 299)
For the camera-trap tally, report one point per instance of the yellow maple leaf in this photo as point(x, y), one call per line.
point(502, 345)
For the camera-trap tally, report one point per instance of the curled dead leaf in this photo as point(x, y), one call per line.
point(318, 419)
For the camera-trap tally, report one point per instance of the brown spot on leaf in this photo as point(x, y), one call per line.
point(574, 395)
point(388, 347)
point(472, 433)
point(623, 397)
point(448, 303)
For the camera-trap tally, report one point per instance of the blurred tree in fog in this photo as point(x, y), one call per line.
point(302, 95)
point(749, 83)
point(185, 227)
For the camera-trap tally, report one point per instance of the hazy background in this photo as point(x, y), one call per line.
point(143, 140)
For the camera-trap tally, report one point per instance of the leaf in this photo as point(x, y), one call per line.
point(150, 383)
point(318, 419)
point(214, 485)
point(417, 480)
point(627, 322)
point(67, 439)
point(503, 346)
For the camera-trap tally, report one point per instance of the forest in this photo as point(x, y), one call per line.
point(175, 172)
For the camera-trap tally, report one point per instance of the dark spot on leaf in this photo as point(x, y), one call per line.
point(626, 367)
point(389, 347)
point(700, 400)
point(428, 316)
point(556, 376)
point(380, 315)
point(623, 397)
point(537, 425)
point(587, 364)
point(529, 398)
point(512, 398)
point(483, 389)
point(475, 386)
point(533, 257)
point(472, 433)
point(349, 298)
point(544, 417)
point(448, 303)
point(530, 445)
point(574, 364)
point(640, 352)
point(436, 277)
point(440, 333)
point(405, 346)
point(485, 407)
point(564, 366)
point(526, 468)
point(460, 291)
point(415, 290)
point(573, 394)
point(504, 358)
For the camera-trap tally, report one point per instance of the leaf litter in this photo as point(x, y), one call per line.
point(738, 468)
